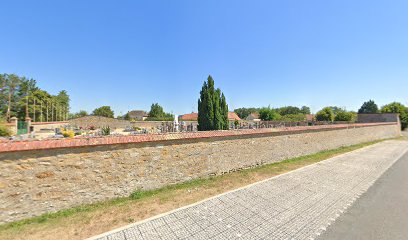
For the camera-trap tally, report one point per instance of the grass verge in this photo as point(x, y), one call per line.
point(91, 219)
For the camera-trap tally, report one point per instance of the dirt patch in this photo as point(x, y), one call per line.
point(45, 174)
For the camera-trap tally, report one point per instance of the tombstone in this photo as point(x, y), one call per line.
point(176, 123)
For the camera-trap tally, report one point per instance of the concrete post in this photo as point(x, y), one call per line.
point(14, 121)
point(28, 122)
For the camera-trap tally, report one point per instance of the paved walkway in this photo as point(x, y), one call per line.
point(296, 205)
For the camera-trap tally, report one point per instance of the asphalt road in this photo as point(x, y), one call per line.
point(380, 213)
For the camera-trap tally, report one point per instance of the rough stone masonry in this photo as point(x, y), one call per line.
point(34, 182)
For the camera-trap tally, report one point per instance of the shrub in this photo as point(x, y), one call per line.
point(136, 128)
point(326, 114)
point(396, 107)
point(268, 114)
point(105, 131)
point(68, 133)
point(345, 116)
point(4, 131)
point(236, 123)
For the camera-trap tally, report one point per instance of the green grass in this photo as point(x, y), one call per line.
point(269, 169)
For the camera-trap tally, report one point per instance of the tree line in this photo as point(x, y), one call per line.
point(287, 113)
point(156, 113)
point(21, 97)
point(393, 107)
point(282, 111)
point(329, 113)
point(338, 114)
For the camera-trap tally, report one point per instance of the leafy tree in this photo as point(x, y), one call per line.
point(244, 112)
point(39, 105)
point(80, 113)
point(336, 109)
point(345, 116)
point(305, 110)
point(20, 97)
point(368, 107)
point(126, 116)
point(25, 97)
point(104, 111)
point(63, 105)
point(288, 110)
point(157, 113)
point(396, 107)
point(212, 108)
point(293, 117)
point(326, 114)
point(12, 83)
point(268, 114)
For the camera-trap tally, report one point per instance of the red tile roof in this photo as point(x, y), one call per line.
point(190, 117)
point(233, 116)
point(309, 117)
point(194, 116)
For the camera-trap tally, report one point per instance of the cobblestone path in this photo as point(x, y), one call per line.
point(296, 205)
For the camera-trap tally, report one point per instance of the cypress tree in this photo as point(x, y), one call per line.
point(218, 121)
point(224, 112)
point(212, 108)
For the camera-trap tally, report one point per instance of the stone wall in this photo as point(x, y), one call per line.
point(99, 122)
point(377, 117)
point(156, 124)
point(39, 126)
point(114, 123)
point(33, 182)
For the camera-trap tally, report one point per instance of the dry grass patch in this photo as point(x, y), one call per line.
point(88, 220)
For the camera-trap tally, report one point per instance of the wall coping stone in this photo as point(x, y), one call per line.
point(15, 146)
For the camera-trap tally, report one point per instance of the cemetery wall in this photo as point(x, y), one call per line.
point(98, 122)
point(378, 117)
point(45, 176)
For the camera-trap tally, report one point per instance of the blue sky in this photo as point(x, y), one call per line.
point(129, 54)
